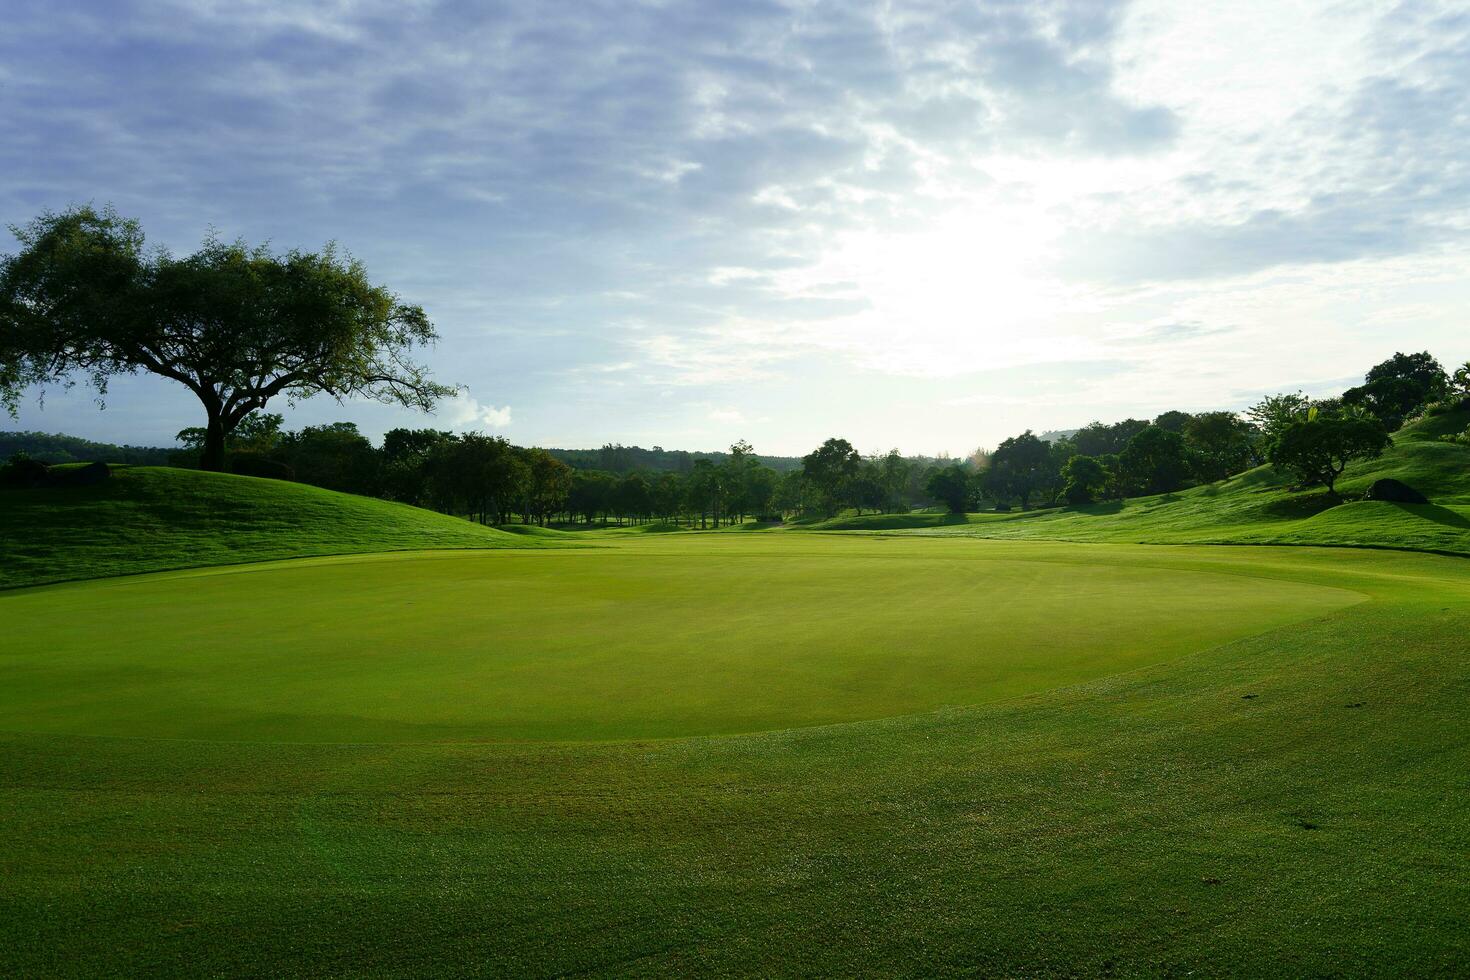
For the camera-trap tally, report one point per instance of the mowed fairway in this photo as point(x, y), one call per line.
point(675, 636)
point(1163, 800)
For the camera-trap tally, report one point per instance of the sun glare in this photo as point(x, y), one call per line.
point(972, 283)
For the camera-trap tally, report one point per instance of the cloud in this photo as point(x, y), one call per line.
point(601, 202)
point(466, 414)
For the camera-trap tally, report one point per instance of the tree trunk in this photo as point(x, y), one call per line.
point(213, 458)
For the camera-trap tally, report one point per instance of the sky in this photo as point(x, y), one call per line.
point(926, 225)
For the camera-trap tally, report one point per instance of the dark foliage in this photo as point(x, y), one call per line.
point(1396, 492)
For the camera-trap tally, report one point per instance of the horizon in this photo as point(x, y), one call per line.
point(683, 226)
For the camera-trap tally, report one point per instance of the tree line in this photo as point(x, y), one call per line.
point(55, 448)
point(241, 326)
point(1309, 440)
point(488, 479)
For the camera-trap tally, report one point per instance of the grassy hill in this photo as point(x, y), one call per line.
point(147, 519)
point(1253, 508)
point(898, 753)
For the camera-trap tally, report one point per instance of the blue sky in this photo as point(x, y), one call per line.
point(926, 225)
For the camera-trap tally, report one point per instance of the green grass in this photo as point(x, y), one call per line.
point(606, 643)
point(147, 519)
point(1284, 797)
point(1252, 508)
point(910, 752)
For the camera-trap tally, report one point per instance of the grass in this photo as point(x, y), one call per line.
point(606, 643)
point(911, 752)
point(148, 519)
point(1252, 508)
point(1288, 802)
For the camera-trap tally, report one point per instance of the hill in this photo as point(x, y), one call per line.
point(148, 519)
point(1253, 508)
point(57, 448)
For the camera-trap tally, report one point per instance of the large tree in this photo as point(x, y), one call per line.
point(1154, 461)
point(951, 486)
point(404, 476)
point(1460, 383)
point(550, 480)
point(1273, 413)
point(1398, 387)
point(1087, 479)
point(829, 468)
point(335, 456)
point(1317, 450)
point(1019, 467)
point(1099, 438)
point(893, 474)
point(236, 325)
point(1220, 443)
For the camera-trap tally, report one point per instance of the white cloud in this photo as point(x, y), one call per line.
point(467, 414)
point(600, 202)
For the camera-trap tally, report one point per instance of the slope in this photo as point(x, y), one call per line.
point(148, 519)
point(1254, 507)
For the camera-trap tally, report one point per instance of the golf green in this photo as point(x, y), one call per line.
point(697, 635)
point(1288, 803)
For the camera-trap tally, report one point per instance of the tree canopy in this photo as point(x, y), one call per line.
point(1317, 450)
point(1019, 467)
point(236, 325)
point(950, 484)
point(829, 467)
point(1154, 461)
point(1398, 387)
point(1085, 479)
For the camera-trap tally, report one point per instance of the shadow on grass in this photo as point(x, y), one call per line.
point(1437, 514)
point(1102, 509)
point(1296, 508)
point(1159, 501)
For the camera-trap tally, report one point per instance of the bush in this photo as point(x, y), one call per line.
point(249, 464)
point(1462, 438)
point(23, 471)
point(1395, 491)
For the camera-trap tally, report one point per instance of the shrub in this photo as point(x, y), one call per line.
point(1395, 491)
point(23, 471)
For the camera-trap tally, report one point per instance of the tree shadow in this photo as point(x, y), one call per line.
point(1304, 506)
point(1162, 499)
point(1437, 514)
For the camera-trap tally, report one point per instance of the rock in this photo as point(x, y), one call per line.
point(1396, 492)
